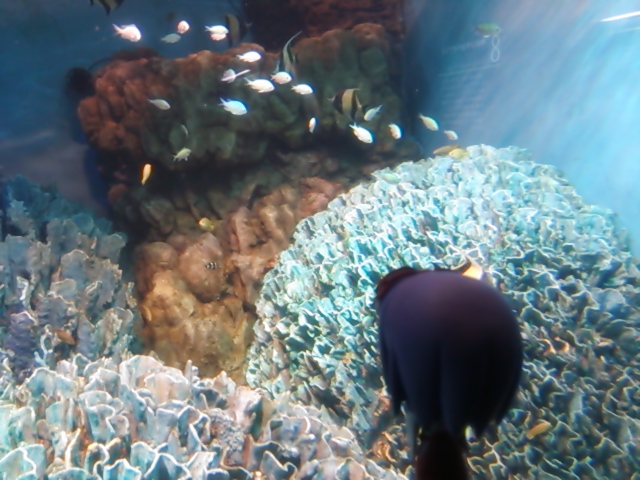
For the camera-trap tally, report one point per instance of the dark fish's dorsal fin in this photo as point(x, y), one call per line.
point(391, 279)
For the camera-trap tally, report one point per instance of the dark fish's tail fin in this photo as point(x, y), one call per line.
point(441, 458)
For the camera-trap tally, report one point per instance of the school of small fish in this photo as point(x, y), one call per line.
point(345, 102)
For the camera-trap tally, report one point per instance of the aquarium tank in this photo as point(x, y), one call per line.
point(209, 208)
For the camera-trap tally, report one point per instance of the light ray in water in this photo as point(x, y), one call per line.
point(621, 17)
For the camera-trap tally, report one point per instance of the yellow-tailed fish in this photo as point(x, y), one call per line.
point(207, 225)
point(458, 153)
point(146, 172)
point(445, 149)
point(429, 122)
point(538, 429)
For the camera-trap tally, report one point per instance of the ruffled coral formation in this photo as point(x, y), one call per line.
point(61, 289)
point(139, 419)
point(564, 265)
point(197, 291)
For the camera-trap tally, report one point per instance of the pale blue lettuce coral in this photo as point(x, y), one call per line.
point(61, 290)
point(137, 419)
point(565, 266)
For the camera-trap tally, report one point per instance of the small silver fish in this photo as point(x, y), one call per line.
point(184, 129)
point(362, 134)
point(261, 85)
point(395, 130)
point(429, 122)
point(128, 32)
point(159, 103)
point(371, 113)
point(234, 107)
point(230, 75)
point(171, 38)
point(451, 135)
point(302, 89)
point(220, 29)
point(183, 27)
point(281, 78)
point(250, 56)
point(183, 154)
point(312, 124)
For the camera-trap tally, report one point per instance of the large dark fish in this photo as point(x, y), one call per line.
point(451, 349)
point(108, 5)
point(237, 27)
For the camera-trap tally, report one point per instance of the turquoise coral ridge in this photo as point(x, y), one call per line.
point(564, 265)
point(61, 290)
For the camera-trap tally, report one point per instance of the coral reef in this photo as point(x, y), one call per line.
point(197, 290)
point(61, 290)
point(139, 419)
point(563, 264)
point(317, 17)
point(129, 131)
point(245, 182)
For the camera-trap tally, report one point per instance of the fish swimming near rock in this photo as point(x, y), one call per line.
point(108, 5)
point(250, 57)
point(234, 107)
point(159, 103)
point(451, 349)
point(302, 89)
point(281, 78)
point(260, 85)
point(362, 134)
point(288, 60)
point(229, 76)
point(429, 122)
point(347, 103)
point(171, 38)
point(372, 113)
point(237, 28)
point(395, 131)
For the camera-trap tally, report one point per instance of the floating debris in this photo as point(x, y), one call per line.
point(429, 122)
point(146, 173)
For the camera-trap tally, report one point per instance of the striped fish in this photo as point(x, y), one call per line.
point(107, 4)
